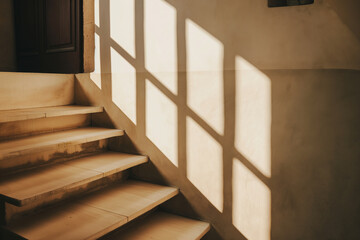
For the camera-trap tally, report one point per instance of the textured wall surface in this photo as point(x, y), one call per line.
point(88, 34)
point(29, 90)
point(252, 111)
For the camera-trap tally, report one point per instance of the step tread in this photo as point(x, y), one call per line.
point(54, 140)
point(71, 221)
point(45, 112)
point(94, 215)
point(23, 188)
point(129, 198)
point(160, 226)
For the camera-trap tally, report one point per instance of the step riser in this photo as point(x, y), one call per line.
point(23, 147)
point(46, 112)
point(11, 130)
point(61, 154)
point(13, 212)
point(27, 90)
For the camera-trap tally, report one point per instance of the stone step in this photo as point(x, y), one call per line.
point(45, 142)
point(46, 112)
point(160, 226)
point(93, 215)
point(61, 154)
point(39, 184)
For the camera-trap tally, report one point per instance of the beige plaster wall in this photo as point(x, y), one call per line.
point(306, 37)
point(88, 34)
point(285, 167)
point(30, 90)
point(347, 10)
point(215, 92)
point(7, 37)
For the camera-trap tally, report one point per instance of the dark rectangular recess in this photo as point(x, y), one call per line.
point(283, 3)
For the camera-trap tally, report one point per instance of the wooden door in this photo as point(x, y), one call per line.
point(48, 35)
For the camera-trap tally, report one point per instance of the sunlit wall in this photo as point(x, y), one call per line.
point(188, 78)
point(204, 100)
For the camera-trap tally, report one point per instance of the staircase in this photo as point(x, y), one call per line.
point(59, 180)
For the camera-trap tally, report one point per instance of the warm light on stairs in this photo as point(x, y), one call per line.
point(60, 180)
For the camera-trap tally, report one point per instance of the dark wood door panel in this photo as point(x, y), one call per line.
point(60, 25)
point(27, 31)
point(49, 35)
